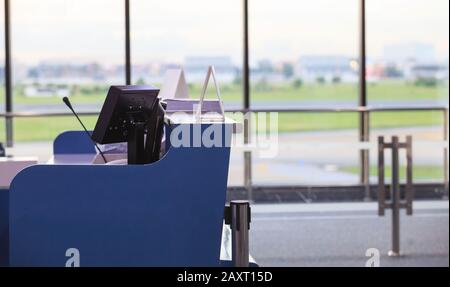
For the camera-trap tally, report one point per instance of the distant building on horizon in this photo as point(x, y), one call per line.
point(46, 91)
point(64, 73)
point(418, 71)
point(195, 68)
point(414, 61)
point(327, 68)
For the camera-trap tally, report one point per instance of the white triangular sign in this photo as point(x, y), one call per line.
point(210, 74)
point(174, 86)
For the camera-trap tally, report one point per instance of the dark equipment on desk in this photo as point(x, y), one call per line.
point(132, 114)
point(2, 150)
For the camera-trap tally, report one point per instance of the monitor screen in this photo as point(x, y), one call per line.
point(124, 105)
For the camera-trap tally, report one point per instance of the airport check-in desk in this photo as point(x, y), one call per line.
point(168, 213)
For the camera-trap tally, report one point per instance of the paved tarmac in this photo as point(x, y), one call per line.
point(339, 235)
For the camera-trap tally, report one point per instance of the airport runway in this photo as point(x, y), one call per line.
point(339, 235)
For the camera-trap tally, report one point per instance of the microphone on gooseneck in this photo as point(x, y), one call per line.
point(69, 105)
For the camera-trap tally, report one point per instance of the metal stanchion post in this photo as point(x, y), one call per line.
point(248, 158)
point(445, 197)
point(409, 192)
point(381, 185)
point(240, 225)
point(365, 164)
point(396, 202)
point(248, 175)
point(395, 194)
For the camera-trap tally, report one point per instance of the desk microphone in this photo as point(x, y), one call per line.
point(69, 105)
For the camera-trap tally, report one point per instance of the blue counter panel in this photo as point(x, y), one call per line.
point(168, 213)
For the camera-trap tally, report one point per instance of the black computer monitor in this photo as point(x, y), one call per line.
point(132, 114)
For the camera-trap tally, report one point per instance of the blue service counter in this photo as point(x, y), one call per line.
point(169, 213)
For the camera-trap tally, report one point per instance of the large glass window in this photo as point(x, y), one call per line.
point(62, 48)
point(303, 52)
point(407, 47)
point(192, 35)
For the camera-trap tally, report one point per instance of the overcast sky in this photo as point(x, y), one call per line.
point(169, 30)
